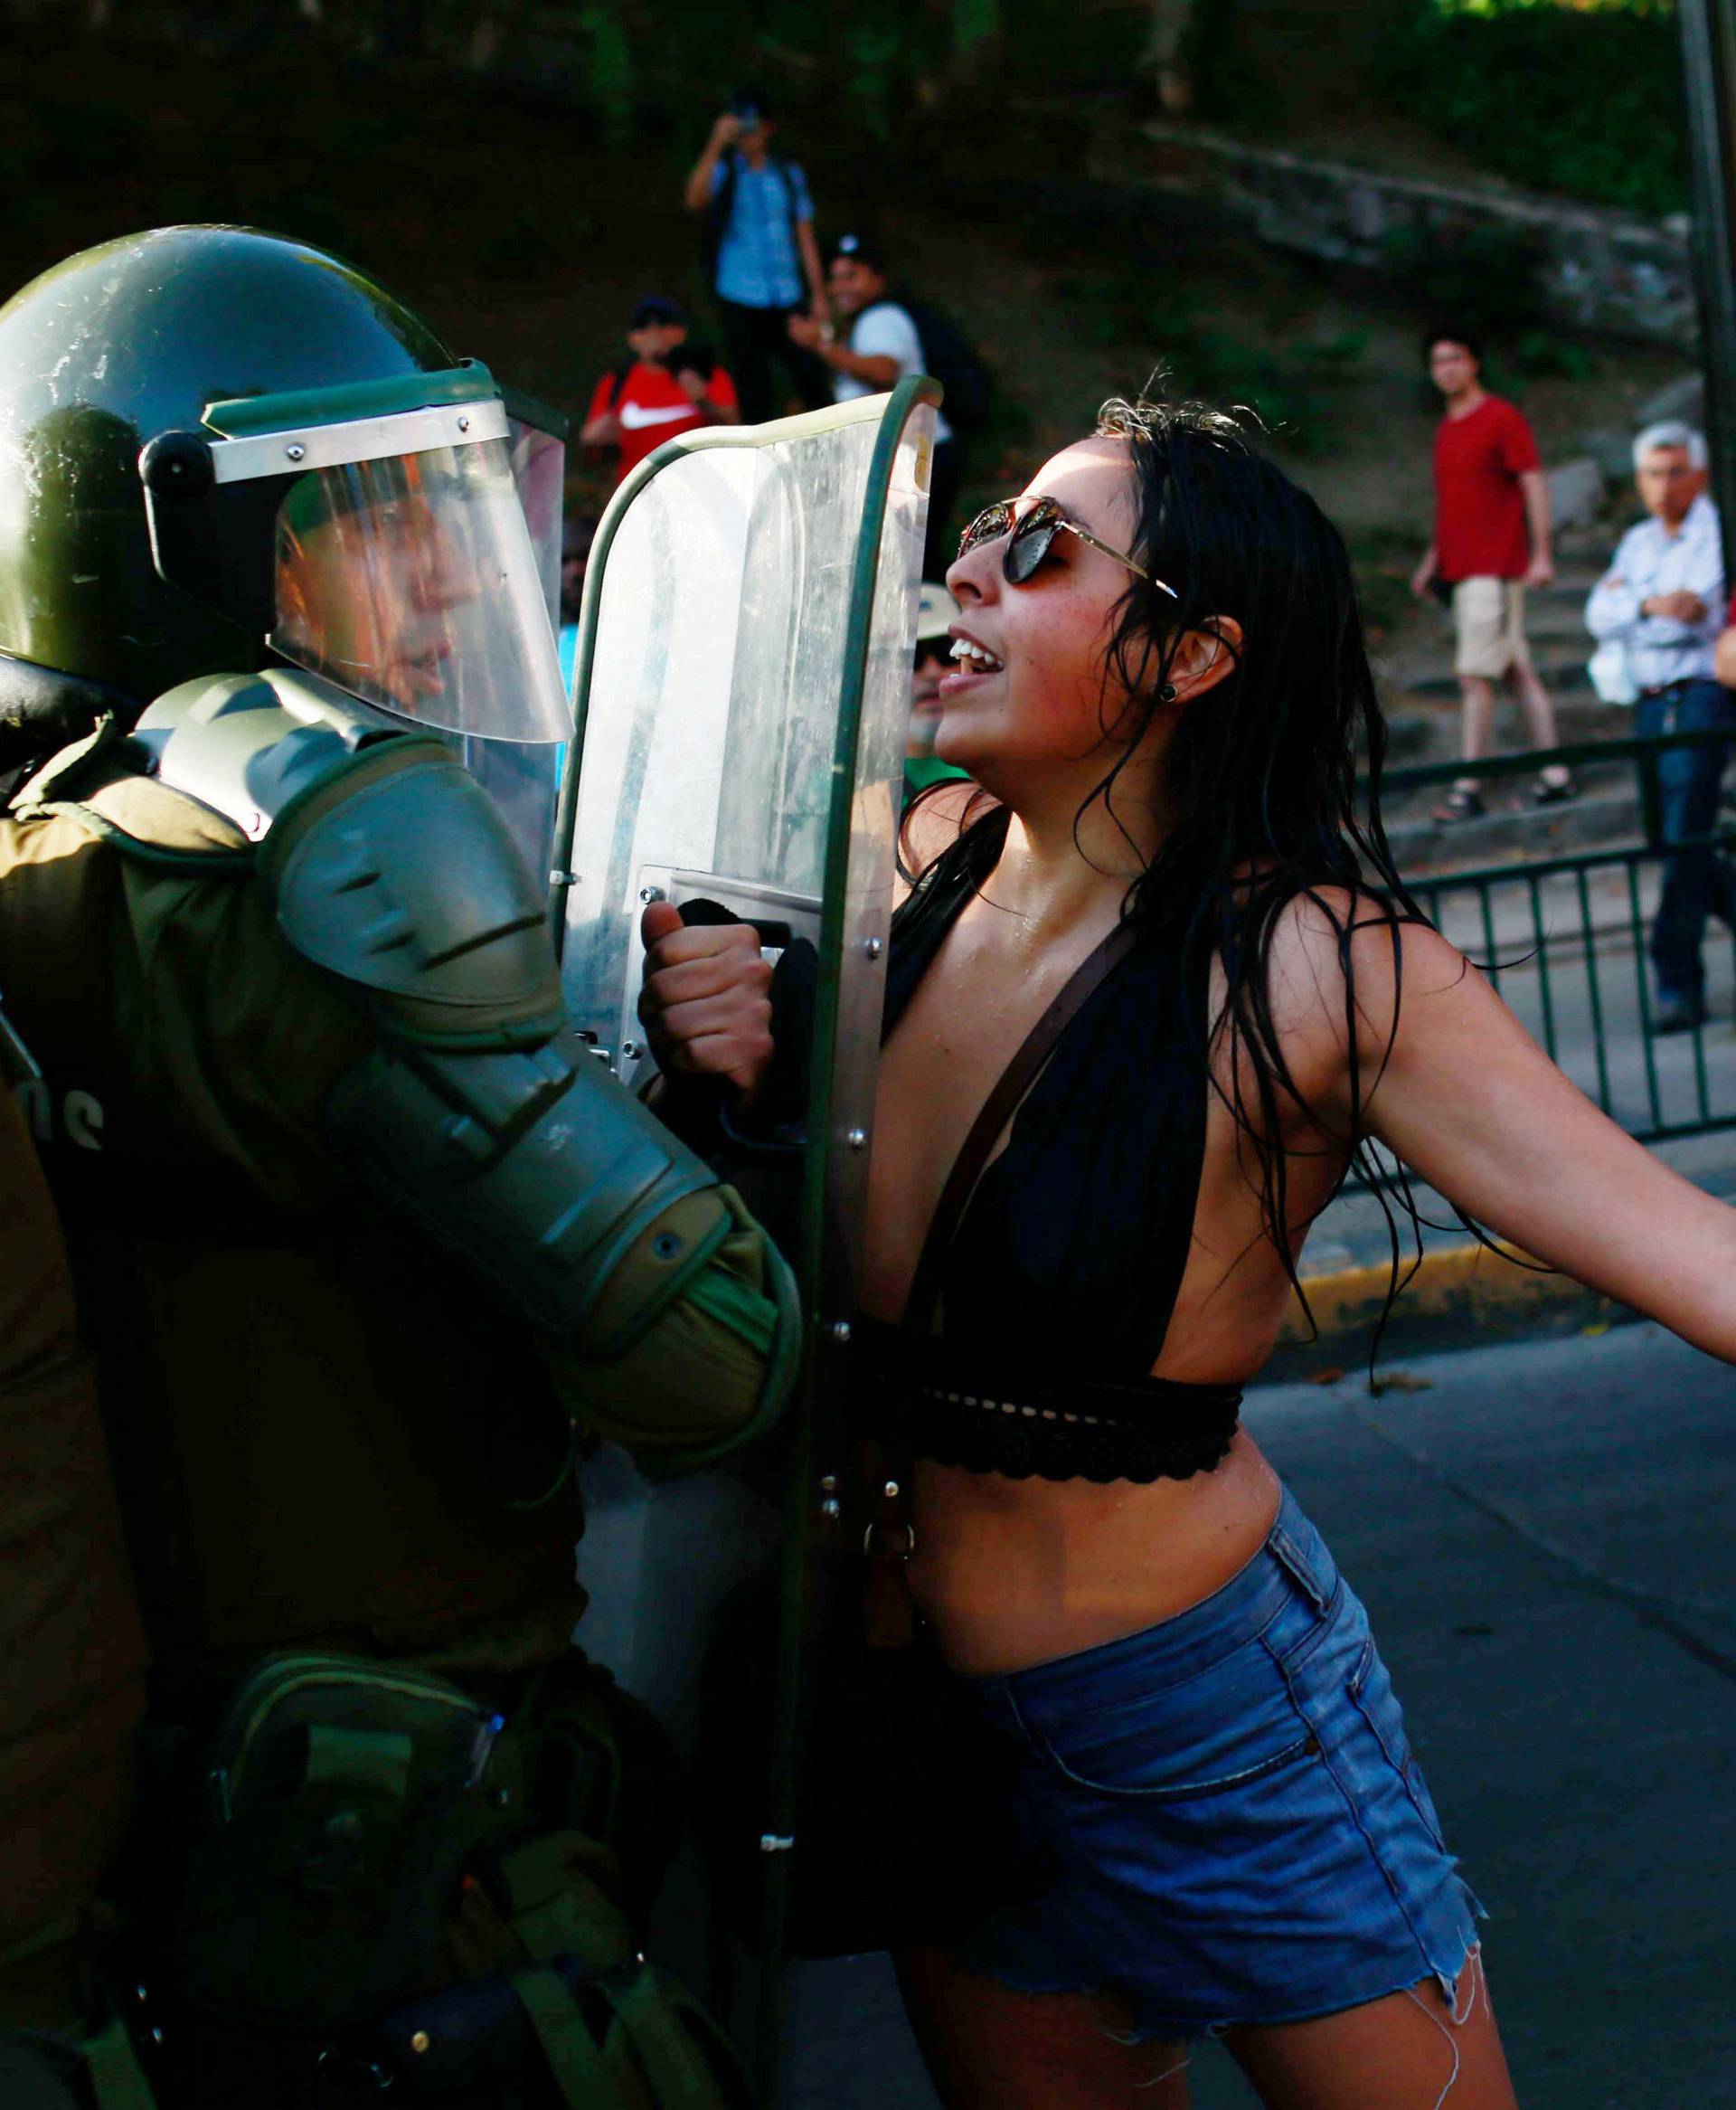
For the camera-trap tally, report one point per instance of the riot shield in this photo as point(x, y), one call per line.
point(742, 693)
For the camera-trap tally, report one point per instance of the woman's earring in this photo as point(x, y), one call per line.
point(1166, 694)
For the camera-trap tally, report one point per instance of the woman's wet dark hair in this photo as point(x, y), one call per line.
point(1263, 803)
point(1264, 806)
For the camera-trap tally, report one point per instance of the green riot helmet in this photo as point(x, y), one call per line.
point(218, 447)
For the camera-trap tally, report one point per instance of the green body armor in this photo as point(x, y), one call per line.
point(359, 1229)
point(325, 1426)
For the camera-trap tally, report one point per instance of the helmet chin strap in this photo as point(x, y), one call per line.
point(44, 709)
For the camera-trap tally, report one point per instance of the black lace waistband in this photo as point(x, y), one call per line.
point(927, 1399)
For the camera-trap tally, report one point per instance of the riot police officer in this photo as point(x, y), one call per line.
point(359, 1227)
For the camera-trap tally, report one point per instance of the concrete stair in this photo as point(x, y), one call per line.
point(1606, 813)
point(1420, 693)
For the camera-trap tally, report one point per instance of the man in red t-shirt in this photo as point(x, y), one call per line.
point(668, 387)
point(1491, 541)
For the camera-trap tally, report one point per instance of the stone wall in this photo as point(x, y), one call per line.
point(1614, 273)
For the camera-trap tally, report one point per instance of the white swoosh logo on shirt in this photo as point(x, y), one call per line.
point(636, 417)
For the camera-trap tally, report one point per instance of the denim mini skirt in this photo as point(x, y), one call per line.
point(1222, 1819)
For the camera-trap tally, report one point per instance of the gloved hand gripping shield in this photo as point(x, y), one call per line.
point(741, 695)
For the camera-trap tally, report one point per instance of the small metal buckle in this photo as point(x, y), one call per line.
point(887, 1554)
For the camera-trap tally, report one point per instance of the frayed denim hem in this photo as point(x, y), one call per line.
point(1189, 2029)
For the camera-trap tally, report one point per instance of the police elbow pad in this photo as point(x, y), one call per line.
point(481, 1116)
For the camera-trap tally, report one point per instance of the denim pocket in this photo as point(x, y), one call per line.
point(1292, 1639)
point(1370, 1693)
point(1222, 1731)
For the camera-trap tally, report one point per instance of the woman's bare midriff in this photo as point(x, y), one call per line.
point(1010, 1573)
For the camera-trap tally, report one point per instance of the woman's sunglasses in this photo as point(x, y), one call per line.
point(1030, 535)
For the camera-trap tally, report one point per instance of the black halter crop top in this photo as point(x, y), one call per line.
point(1056, 1294)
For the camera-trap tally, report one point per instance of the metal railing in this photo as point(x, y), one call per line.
point(1564, 939)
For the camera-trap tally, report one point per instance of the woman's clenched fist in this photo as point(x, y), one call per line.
point(705, 1004)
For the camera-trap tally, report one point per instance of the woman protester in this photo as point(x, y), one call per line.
point(1161, 688)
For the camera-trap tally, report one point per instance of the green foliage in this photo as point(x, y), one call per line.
point(1548, 355)
point(1486, 278)
point(1288, 384)
point(876, 77)
point(1580, 99)
point(611, 81)
point(526, 247)
point(1285, 384)
point(974, 22)
point(1482, 276)
point(1231, 87)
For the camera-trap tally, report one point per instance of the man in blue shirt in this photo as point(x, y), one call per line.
point(762, 256)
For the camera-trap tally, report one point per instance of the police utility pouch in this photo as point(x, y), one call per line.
point(626, 2038)
point(342, 1800)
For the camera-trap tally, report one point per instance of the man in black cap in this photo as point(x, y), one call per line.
point(876, 341)
point(667, 386)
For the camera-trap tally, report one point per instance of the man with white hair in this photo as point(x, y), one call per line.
point(1660, 606)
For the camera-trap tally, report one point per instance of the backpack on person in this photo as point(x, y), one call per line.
point(950, 358)
point(361, 1856)
point(716, 223)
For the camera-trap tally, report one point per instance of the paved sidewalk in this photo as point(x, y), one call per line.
point(1542, 1532)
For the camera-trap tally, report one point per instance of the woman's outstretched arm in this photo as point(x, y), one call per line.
point(1469, 1100)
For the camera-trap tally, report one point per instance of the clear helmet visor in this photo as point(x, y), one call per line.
point(540, 471)
point(412, 581)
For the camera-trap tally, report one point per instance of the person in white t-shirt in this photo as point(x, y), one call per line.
point(877, 346)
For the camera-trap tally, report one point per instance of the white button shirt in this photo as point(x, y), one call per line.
point(1650, 560)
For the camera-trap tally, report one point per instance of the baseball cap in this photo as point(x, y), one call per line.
point(864, 249)
point(936, 612)
point(657, 307)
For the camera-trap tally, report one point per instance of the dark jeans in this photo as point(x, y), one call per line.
point(756, 339)
point(1696, 882)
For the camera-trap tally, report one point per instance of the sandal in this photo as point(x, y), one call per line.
point(1463, 802)
point(1543, 793)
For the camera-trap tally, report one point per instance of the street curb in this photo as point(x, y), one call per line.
point(1467, 1285)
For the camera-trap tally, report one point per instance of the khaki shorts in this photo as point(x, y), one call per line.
point(1489, 627)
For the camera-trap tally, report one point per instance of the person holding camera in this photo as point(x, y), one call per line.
point(761, 261)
